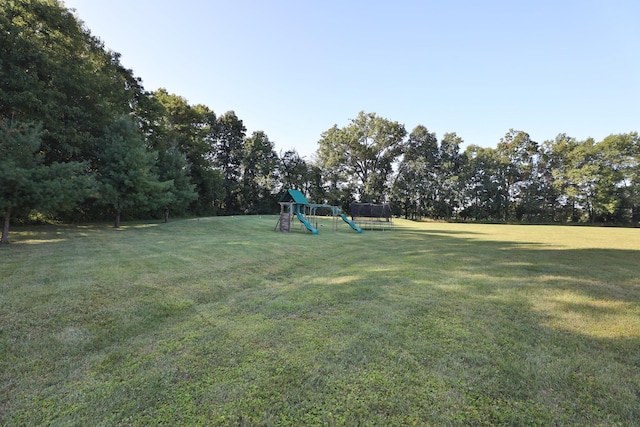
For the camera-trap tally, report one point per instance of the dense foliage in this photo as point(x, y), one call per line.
point(184, 158)
point(27, 183)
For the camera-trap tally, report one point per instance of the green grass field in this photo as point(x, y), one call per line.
point(223, 321)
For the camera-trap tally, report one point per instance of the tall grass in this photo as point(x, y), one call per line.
point(223, 321)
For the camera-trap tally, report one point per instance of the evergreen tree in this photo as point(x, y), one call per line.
point(27, 184)
point(126, 172)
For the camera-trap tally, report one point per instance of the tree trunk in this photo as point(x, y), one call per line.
point(116, 223)
point(5, 227)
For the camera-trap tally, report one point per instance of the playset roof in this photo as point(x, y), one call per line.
point(294, 196)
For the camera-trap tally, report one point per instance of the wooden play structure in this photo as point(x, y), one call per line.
point(293, 203)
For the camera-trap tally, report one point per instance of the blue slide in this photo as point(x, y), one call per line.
point(306, 223)
point(351, 223)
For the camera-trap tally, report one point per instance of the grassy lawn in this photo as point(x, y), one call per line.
point(223, 321)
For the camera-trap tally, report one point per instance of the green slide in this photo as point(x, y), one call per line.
point(351, 223)
point(306, 223)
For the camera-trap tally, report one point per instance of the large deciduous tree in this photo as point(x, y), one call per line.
point(26, 183)
point(616, 187)
point(428, 180)
point(552, 206)
point(292, 171)
point(517, 155)
point(54, 72)
point(415, 185)
point(259, 163)
point(630, 164)
point(181, 135)
point(228, 142)
point(450, 184)
point(365, 151)
point(485, 195)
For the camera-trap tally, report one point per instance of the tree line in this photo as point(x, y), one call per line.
point(81, 139)
point(557, 181)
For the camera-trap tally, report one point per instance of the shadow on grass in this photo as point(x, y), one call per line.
point(493, 332)
point(512, 332)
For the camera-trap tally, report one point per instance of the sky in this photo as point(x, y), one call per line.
point(296, 68)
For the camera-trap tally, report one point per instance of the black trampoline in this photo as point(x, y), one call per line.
point(370, 215)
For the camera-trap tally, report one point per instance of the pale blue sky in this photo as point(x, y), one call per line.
point(294, 68)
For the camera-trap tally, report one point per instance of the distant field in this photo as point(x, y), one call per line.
point(223, 321)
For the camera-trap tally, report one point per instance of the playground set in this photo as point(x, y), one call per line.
point(294, 204)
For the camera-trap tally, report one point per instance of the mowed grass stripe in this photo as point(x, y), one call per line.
point(225, 321)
